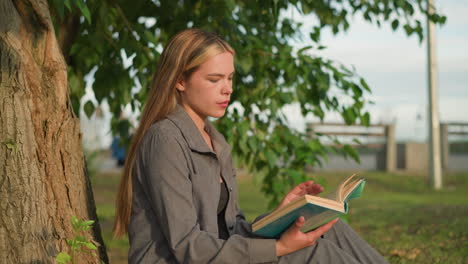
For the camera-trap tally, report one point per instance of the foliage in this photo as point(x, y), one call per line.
point(78, 242)
point(99, 35)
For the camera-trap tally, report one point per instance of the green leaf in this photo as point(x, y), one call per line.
point(357, 91)
point(76, 82)
point(75, 223)
point(87, 227)
point(60, 7)
point(365, 119)
point(70, 242)
point(80, 239)
point(364, 84)
point(315, 34)
point(63, 258)
point(296, 176)
point(150, 36)
point(67, 4)
point(90, 246)
point(243, 145)
point(11, 144)
point(272, 158)
point(246, 64)
point(314, 145)
point(352, 152)
point(252, 142)
point(348, 115)
point(84, 10)
point(408, 29)
point(278, 187)
point(442, 20)
point(89, 109)
point(300, 51)
point(88, 223)
point(395, 23)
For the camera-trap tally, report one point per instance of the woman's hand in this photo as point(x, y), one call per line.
point(308, 187)
point(293, 239)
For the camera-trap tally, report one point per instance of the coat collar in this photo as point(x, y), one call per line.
point(194, 138)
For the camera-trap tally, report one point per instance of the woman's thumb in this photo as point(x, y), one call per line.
point(299, 222)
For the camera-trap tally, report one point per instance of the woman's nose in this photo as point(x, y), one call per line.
point(227, 89)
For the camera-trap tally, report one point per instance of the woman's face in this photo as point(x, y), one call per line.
point(208, 90)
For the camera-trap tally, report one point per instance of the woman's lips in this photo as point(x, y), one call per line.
point(224, 104)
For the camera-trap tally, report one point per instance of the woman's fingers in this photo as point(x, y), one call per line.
point(314, 189)
point(308, 187)
point(296, 227)
point(302, 187)
point(293, 239)
point(322, 230)
point(299, 222)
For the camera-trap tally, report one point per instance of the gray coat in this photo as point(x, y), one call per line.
point(176, 192)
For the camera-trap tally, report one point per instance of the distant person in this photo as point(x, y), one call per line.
point(178, 196)
point(118, 151)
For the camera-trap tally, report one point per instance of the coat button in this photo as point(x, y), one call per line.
point(230, 189)
point(231, 227)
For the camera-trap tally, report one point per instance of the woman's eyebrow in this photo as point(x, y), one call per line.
point(219, 74)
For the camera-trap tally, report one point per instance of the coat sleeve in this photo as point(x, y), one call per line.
point(170, 189)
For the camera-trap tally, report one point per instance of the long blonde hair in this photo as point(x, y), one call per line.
point(184, 53)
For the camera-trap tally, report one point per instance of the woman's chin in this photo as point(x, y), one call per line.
point(218, 114)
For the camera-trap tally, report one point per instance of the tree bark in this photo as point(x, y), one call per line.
point(43, 180)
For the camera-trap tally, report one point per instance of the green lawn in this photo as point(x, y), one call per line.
point(398, 214)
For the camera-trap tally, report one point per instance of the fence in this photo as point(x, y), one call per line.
point(386, 132)
point(447, 129)
point(390, 156)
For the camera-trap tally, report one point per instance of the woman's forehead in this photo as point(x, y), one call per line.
point(222, 63)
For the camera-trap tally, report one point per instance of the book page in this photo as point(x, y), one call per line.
point(355, 190)
point(279, 212)
point(334, 195)
point(337, 194)
point(349, 188)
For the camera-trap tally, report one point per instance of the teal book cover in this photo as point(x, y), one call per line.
point(315, 216)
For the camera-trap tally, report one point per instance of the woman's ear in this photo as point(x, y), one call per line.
point(180, 86)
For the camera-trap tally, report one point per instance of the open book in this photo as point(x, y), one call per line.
point(316, 210)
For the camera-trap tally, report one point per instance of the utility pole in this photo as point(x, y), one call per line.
point(435, 171)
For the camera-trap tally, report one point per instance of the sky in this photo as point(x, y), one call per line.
point(395, 67)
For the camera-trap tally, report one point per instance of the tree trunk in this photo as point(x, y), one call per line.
point(43, 180)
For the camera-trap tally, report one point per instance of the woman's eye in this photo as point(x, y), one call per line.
point(213, 80)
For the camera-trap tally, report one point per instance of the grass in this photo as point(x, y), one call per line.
point(410, 223)
point(105, 190)
point(398, 214)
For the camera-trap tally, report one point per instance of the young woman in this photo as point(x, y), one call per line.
point(178, 196)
